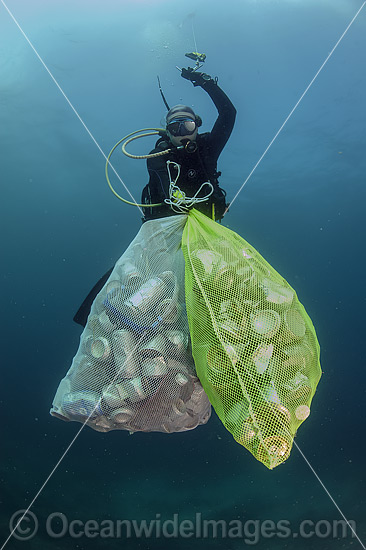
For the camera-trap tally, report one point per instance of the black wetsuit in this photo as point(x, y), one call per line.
point(196, 167)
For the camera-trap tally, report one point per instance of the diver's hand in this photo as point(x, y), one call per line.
point(197, 79)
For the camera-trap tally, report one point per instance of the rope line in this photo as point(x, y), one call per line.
point(68, 101)
point(294, 108)
point(102, 152)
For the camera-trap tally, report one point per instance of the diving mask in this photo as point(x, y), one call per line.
point(181, 126)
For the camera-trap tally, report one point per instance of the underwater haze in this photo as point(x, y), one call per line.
point(62, 229)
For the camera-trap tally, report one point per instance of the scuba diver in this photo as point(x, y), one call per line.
point(182, 166)
point(188, 175)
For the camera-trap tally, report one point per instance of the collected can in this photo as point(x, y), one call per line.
point(245, 434)
point(300, 354)
point(130, 275)
point(262, 357)
point(297, 390)
point(294, 325)
point(81, 405)
point(122, 415)
point(302, 412)
point(277, 294)
point(112, 397)
point(218, 367)
point(281, 414)
point(125, 354)
point(105, 323)
point(97, 348)
point(154, 367)
point(181, 379)
point(230, 329)
point(244, 273)
point(265, 323)
point(270, 395)
point(238, 413)
point(274, 449)
point(204, 261)
point(168, 310)
point(179, 407)
point(176, 342)
point(113, 286)
point(146, 297)
point(154, 347)
point(224, 277)
point(102, 424)
point(134, 389)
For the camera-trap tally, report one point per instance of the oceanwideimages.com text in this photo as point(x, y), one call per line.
point(57, 525)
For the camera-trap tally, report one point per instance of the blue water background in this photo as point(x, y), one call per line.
point(61, 229)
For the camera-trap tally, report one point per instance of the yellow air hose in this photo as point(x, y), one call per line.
point(149, 132)
point(125, 141)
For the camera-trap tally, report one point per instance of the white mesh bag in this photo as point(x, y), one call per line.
point(134, 368)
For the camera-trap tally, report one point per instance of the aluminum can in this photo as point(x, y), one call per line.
point(302, 412)
point(112, 397)
point(238, 413)
point(262, 357)
point(81, 405)
point(297, 390)
point(112, 286)
point(146, 297)
point(205, 260)
point(218, 367)
point(230, 329)
point(105, 323)
point(265, 323)
point(244, 273)
point(154, 367)
point(276, 294)
point(134, 389)
point(245, 434)
point(169, 310)
point(282, 413)
point(102, 424)
point(274, 449)
point(83, 365)
point(100, 349)
point(124, 342)
point(181, 379)
point(125, 354)
point(176, 342)
point(224, 277)
point(122, 415)
point(130, 275)
point(294, 325)
point(93, 323)
point(97, 348)
point(301, 354)
point(270, 395)
point(179, 407)
point(155, 347)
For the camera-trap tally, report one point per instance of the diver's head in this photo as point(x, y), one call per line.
point(182, 124)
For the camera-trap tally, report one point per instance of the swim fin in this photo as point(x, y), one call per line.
point(81, 316)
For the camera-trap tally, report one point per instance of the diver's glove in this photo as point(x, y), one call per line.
point(197, 79)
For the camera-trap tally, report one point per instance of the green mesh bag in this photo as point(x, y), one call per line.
point(254, 346)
